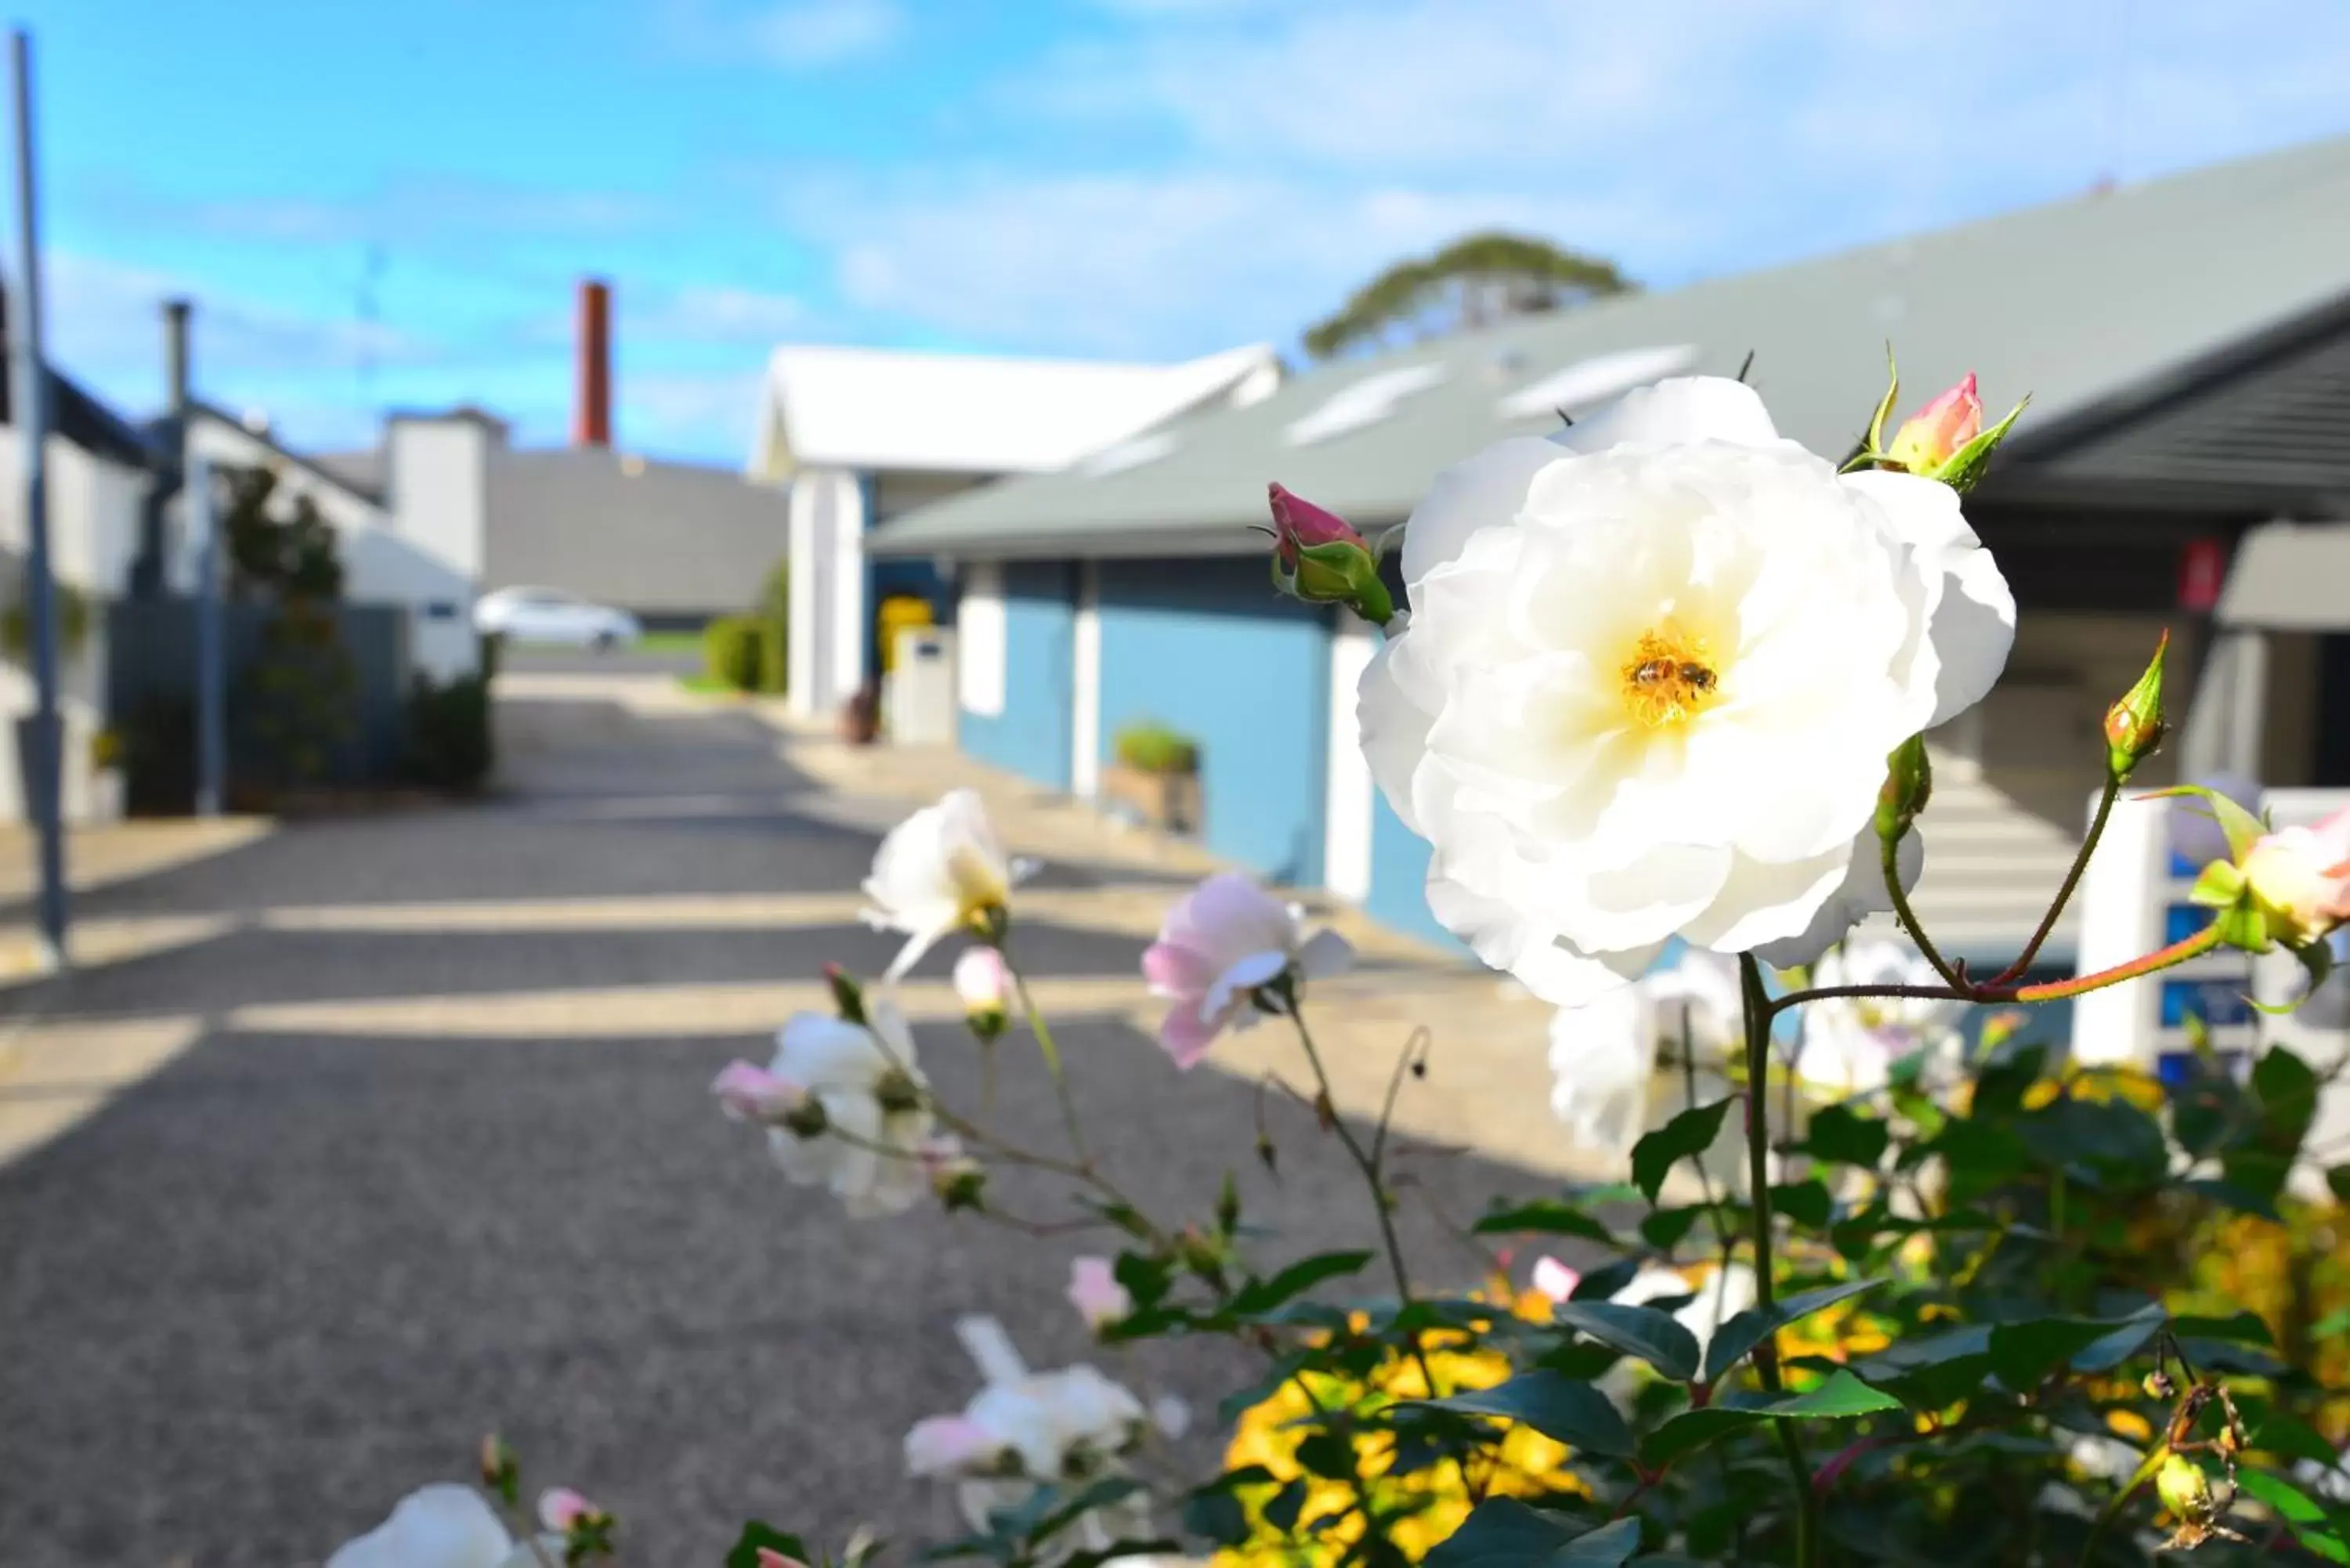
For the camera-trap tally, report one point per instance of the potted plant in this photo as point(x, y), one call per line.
point(1155, 775)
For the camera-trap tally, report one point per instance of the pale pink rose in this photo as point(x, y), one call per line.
point(982, 979)
point(749, 1093)
point(1554, 1279)
point(950, 1445)
point(1929, 438)
point(561, 1509)
point(1095, 1292)
point(1224, 940)
point(2300, 878)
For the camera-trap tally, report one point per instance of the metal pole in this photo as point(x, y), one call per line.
point(212, 710)
point(33, 426)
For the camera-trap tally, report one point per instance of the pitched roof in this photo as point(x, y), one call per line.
point(2085, 304)
point(653, 538)
point(879, 409)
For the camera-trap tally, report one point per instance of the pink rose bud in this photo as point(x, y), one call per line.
point(1317, 556)
point(1933, 435)
point(983, 980)
point(2300, 878)
point(749, 1093)
point(768, 1557)
point(1095, 1292)
point(563, 1511)
point(949, 1446)
point(1554, 1279)
point(1297, 521)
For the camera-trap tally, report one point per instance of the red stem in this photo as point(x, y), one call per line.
point(2177, 952)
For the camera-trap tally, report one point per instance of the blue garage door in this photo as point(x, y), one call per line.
point(1031, 736)
point(1210, 648)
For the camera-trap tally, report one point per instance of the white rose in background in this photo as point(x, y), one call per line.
point(1850, 1044)
point(868, 1144)
point(443, 1526)
point(940, 870)
point(1653, 667)
point(1604, 1055)
point(1221, 942)
point(1065, 1428)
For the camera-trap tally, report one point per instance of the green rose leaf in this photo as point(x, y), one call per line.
point(1558, 1406)
point(1844, 1136)
point(1841, 1397)
point(1548, 1217)
point(1644, 1332)
point(2311, 1526)
point(1263, 1295)
point(1502, 1533)
point(1685, 1136)
point(1743, 1332)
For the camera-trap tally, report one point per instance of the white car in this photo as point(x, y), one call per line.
point(552, 616)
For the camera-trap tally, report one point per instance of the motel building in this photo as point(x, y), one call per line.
point(2185, 463)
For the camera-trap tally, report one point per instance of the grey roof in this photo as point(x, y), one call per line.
point(659, 539)
point(2092, 305)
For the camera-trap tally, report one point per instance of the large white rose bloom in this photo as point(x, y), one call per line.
point(1652, 669)
point(443, 1526)
point(877, 1113)
point(1604, 1055)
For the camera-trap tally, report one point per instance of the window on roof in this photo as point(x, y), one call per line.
point(1365, 402)
point(1590, 382)
point(1133, 452)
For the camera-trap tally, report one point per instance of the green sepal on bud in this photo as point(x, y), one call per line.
point(961, 1187)
point(1966, 466)
point(2135, 725)
point(501, 1469)
point(1317, 556)
point(847, 996)
point(1946, 441)
point(1908, 785)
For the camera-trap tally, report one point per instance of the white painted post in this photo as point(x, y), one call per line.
point(1085, 686)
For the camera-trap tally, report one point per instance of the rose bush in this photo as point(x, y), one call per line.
point(1660, 689)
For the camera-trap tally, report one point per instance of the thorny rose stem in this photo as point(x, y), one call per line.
point(1758, 1014)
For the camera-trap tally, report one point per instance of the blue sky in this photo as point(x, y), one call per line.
point(387, 204)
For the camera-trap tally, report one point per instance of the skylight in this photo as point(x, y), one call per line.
point(1366, 402)
point(1133, 452)
point(1595, 381)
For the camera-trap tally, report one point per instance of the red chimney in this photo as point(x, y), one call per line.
point(591, 417)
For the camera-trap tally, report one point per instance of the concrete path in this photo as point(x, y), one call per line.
point(375, 1134)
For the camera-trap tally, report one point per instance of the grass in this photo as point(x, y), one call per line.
point(670, 642)
point(707, 685)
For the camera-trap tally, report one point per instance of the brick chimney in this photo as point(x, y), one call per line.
point(591, 417)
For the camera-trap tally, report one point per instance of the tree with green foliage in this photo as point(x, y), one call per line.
point(1474, 282)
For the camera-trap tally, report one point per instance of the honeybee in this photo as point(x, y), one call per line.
point(1656, 672)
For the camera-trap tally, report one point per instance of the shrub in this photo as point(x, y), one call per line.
point(1152, 747)
point(446, 742)
point(731, 651)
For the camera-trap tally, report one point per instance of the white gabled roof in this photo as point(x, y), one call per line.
point(881, 410)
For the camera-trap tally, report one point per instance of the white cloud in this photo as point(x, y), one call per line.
point(1236, 167)
point(717, 313)
point(812, 33)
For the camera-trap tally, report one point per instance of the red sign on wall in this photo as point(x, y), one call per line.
point(2202, 570)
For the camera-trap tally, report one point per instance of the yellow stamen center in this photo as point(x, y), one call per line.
point(1669, 678)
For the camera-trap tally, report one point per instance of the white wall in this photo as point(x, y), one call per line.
point(424, 552)
point(829, 619)
point(94, 514)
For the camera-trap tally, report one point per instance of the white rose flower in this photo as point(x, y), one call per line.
point(1603, 1054)
point(941, 869)
point(1653, 667)
point(877, 1118)
point(442, 1526)
point(1065, 1428)
point(1850, 1043)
